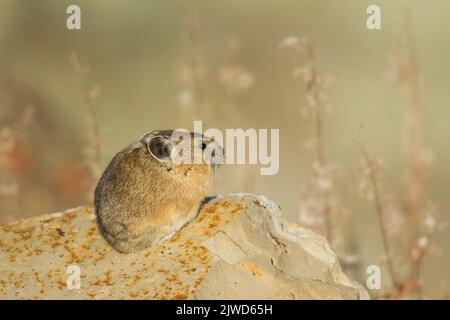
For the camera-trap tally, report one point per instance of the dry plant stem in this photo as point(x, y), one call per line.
point(93, 114)
point(328, 226)
point(91, 102)
point(371, 165)
point(313, 86)
point(416, 272)
point(320, 144)
point(417, 169)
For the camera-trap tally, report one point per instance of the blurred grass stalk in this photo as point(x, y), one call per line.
point(419, 215)
point(319, 190)
point(92, 150)
point(418, 153)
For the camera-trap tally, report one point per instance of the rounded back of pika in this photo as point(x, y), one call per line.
point(141, 200)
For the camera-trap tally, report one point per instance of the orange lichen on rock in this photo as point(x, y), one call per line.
point(38, 256)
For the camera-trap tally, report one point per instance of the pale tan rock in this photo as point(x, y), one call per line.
point(239, 247)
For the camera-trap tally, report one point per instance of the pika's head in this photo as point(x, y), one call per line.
point(183, 151)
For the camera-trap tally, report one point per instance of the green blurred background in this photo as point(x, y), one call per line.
point(136, 52)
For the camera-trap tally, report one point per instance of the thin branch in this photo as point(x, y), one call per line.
point(89, 97)
point(371, 165)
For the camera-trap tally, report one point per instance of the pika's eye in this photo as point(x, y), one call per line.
point(160, 148)
point(203, 146)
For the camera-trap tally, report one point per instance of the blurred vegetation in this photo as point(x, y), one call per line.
point(138, 66)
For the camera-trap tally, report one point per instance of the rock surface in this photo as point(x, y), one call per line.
point(239, 247)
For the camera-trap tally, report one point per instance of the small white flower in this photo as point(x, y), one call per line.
point(289, 42)
point(185, 99)
point(429, 223)
point(324, 183)
point(423, 242)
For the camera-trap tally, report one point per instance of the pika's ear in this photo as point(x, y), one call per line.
point(160, 148)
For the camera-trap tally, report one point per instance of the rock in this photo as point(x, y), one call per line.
point(239, 247)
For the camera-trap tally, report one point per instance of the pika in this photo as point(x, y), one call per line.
point(143, 198)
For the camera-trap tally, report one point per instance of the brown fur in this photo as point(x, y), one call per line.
point(140, 201)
